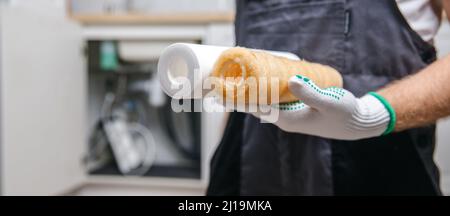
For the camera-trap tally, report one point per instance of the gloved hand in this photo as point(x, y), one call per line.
point(333, 112)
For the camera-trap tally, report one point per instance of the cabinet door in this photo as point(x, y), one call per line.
point(43, 91)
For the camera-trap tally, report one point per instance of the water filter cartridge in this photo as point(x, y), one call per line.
point(182, 67)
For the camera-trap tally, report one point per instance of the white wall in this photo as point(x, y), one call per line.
point(150, 6)
point(442, 155)
point(48, 7)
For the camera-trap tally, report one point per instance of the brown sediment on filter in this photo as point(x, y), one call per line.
point(236, 65)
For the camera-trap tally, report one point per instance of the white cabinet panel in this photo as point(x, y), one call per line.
point(42, 103)
point(443, 130)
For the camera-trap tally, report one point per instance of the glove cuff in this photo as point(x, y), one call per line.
point(391, 111)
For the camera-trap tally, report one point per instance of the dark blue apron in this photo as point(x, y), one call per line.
point(371, 44)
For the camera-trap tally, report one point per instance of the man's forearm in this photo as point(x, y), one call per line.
point(422, 98)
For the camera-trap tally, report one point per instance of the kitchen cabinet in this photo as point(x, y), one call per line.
point(44, 121)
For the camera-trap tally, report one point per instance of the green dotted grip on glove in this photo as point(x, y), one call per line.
point(391, 111)
point(333, 92)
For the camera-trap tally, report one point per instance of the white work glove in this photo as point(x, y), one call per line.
point(332, 113)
